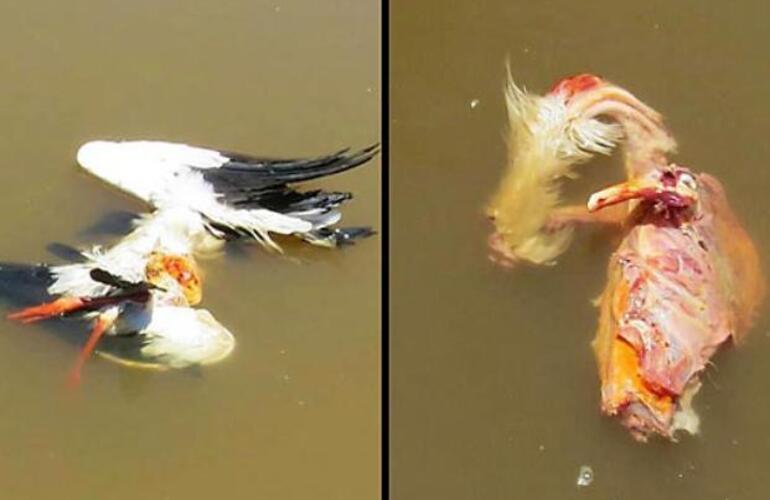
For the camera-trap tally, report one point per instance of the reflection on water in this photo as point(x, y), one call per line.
point(294, 413)
point(495, 391)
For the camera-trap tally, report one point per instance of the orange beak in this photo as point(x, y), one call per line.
point(643, 188)
point(624, 191)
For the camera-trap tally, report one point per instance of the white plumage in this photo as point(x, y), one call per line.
point(236, 194)
point(141, 292)
point(171, 231)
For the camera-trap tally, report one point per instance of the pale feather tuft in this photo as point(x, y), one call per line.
point(544, 144)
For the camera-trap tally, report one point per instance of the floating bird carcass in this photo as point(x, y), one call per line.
point(140, 292)
point(686, 277)
point(685, 280)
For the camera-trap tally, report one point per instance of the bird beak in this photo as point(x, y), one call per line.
point(624, 191)
point(643, 188)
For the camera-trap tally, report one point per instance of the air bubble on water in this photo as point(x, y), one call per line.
point(585, 476)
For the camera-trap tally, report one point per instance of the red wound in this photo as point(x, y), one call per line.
point(576, 84)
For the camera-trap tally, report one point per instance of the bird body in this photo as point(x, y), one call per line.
point(174, 231)
point(143, 290)
point(685, 278)
point(140, 294)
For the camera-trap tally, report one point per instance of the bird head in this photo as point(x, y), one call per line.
point(175, 274)
point(671, 187)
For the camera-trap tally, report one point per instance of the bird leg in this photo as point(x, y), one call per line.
point(103, 322)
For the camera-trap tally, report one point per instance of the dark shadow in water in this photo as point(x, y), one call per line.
point(115, 223)
point(65, 252)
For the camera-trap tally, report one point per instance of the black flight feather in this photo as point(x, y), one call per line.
point(244, 174)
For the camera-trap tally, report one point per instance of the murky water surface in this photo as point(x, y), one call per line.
point(294, 413)
point(494, 387)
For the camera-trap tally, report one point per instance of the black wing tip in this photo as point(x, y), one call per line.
point(248, 178)
point(344, 236)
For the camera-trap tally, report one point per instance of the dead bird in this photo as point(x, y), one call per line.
point(685, 280)
point(142, 292)
point(686, 277)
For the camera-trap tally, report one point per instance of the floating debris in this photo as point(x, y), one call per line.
point(475, 103)
point(585, 476)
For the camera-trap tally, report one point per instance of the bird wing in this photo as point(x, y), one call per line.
point(175, 337)
point(251, 185)
point(139, 166)
point(240, 195)
point(243, 173)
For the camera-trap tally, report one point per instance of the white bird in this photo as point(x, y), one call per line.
point(140, 292)
point(235, 194)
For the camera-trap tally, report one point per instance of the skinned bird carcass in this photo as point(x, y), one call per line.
point(684, 280)
point(686, 277)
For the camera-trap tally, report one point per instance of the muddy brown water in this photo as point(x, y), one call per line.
point(494, 388)
point(294, 413)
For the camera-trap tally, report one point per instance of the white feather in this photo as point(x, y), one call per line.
point(183, 336)
point(171, 231)
point(546, 141)
point(159, 173)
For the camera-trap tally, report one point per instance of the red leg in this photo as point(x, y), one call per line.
point(103, 322)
